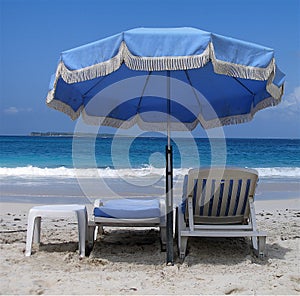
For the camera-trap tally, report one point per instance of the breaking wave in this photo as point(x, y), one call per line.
point(147, 171)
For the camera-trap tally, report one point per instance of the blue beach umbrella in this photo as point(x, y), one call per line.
point(166, 79)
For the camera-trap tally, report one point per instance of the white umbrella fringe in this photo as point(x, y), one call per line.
point(169, 63)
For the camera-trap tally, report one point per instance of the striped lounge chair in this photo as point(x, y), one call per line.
point(219, 202)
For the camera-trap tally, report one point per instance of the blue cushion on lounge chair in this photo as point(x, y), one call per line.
point(129, 209)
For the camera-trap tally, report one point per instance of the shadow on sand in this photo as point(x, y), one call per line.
point(143, 247)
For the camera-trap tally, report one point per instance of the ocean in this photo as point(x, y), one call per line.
point(61, 169)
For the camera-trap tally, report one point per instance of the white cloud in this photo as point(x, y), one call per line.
point(288, 110)
point(11, 110)
point(15, 110)
point(291, 102)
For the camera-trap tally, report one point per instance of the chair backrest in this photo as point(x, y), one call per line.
point(221, 195)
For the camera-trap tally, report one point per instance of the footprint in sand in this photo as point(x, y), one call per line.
point(232, 290)
point(38, 287)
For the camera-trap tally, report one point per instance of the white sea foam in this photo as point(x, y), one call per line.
point(63, 172)
point(149, 171)
point(279, 172)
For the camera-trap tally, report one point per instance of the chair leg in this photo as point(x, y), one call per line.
point(182, 246)
point(30, 231)
point(254, 241)
point(82, 229)
point(261, 246)
point(91, 235)
point(99, 231)
point(163, 237)
point(37, 230)
point(181, 240)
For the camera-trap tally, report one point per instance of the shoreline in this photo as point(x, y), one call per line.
point(86, 190)
point(260, 205)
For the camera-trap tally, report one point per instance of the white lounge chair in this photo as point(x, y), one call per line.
point(128, 212)
point(219, 202)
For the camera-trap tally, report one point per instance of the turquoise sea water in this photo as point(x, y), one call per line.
point(281, 156)
point(39, 167)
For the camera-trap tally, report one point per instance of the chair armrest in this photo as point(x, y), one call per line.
point(252, 213)
point(190, 211)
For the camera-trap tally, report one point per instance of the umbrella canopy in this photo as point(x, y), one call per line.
point(166, 79)
point(237, 78)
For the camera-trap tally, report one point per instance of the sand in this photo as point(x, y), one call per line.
point(129, 261)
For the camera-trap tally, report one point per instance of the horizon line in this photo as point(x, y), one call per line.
point(69, 134)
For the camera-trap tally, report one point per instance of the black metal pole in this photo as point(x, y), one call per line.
point(169, 180)
point(169, 204)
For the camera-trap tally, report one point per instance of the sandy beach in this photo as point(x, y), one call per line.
point(129, 261)
point(123, 104)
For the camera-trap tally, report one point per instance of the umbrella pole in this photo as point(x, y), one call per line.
point(169, 204)
point(169, 185)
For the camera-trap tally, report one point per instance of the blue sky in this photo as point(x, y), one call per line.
point(33, 33)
